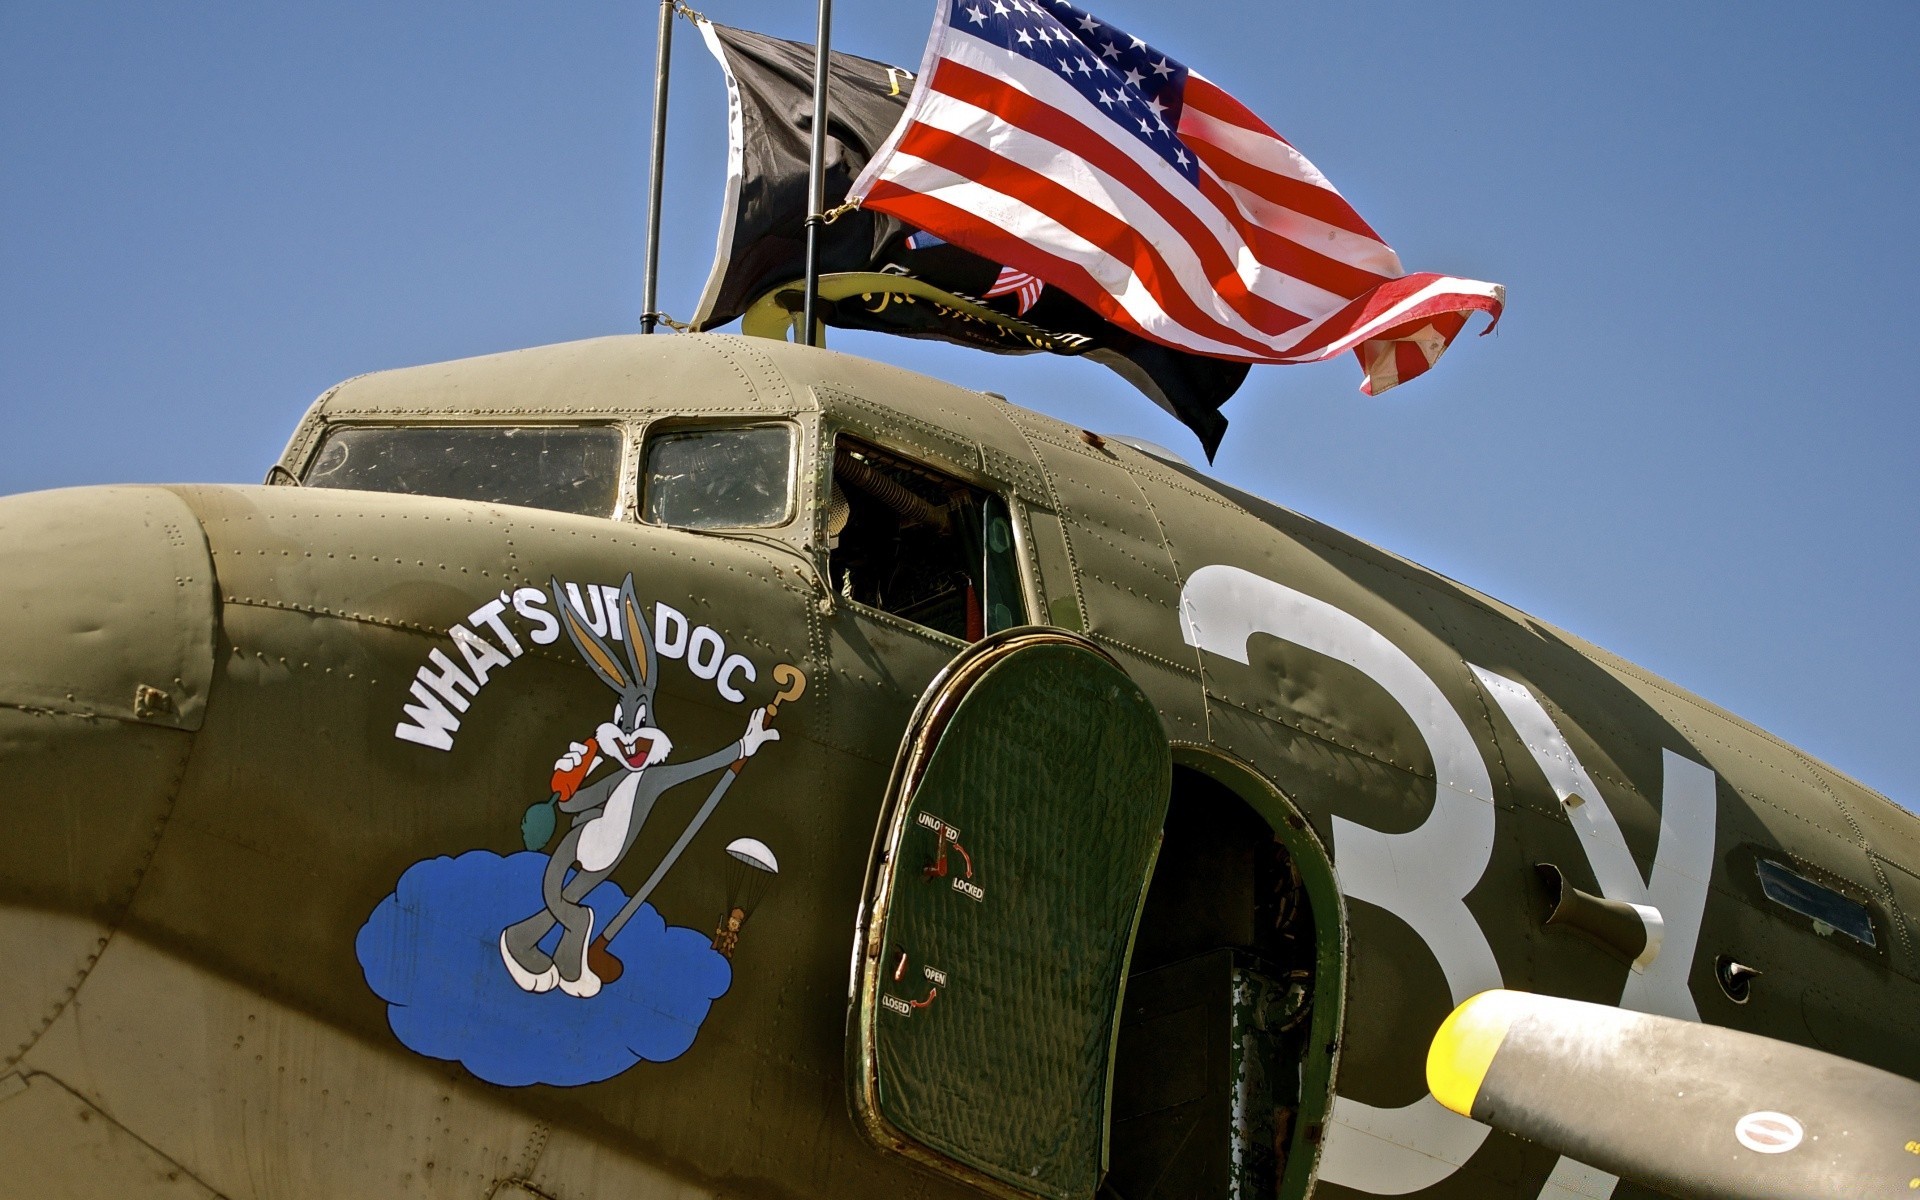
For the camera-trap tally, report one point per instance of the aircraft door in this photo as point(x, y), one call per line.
point(1021, 827)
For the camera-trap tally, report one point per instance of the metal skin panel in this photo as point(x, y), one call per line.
point(596, 377)
point(1126, 577)
point(301, 808)
point(44, 1127)
point(1904, 882)
point(255, 1097)
point(106, 653)
point(1051, 561)
point(876, 660)
point(248, 855)
point(1031, 794)
point(106, 592)
point(84, 803)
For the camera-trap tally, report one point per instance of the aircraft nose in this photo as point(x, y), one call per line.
point(107, 614)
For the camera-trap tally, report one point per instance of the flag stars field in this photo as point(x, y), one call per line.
point(1095, 55)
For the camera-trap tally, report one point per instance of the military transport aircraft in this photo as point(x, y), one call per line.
point(704, 766)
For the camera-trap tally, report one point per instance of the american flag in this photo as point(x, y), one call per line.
point(1024, 288)
point(1044, 138)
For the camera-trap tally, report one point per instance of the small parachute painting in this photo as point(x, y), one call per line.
point(751, 870)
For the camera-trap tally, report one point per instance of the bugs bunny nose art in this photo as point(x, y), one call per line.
point(548, 964)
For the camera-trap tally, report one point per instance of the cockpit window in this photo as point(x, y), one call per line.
point(570, 469)
point(719, 478)
point(911, 541)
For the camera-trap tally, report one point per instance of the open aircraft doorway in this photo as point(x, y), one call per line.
point(1219, 1086)
point(1082, 967)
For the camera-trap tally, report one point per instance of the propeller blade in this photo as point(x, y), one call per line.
point(1697, 1111)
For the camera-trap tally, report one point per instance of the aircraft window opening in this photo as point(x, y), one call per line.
point(1831, 912)
point(739, 478)
point(1215, 1026)
point(564, 468)
point(910, 541)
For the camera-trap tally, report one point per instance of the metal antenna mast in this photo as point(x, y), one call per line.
point(817, 176)
point(650, 310)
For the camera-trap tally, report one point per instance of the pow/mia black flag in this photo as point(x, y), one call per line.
point(876, 273)
point(763, 234)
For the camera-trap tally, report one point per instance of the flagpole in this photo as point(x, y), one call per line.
point(817, 171)
point(650, 313)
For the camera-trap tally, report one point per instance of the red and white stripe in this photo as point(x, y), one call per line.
point(1261, 261)
point(1024, 289)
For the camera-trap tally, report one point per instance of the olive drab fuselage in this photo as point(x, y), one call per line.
point(263, 745)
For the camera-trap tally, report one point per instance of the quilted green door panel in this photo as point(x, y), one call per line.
point(1035, 783)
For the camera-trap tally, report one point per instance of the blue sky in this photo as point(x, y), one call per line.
point(1692, 439)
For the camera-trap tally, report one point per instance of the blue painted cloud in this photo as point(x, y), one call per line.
point(431, 951)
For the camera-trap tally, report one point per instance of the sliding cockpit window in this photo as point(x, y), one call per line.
point(917, 543)
point(569, 469)
point(727, 478)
